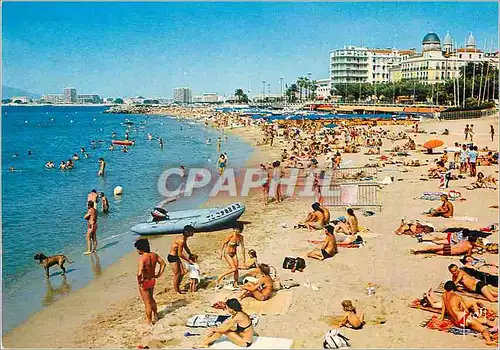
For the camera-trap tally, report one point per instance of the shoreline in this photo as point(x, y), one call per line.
point(117, 320)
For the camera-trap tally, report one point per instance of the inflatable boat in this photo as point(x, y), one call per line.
point(123, 142)
point(201, 219)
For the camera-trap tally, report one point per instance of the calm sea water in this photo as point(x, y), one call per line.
point(42, 209)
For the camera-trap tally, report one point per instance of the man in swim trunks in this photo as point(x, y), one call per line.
point(445, 210)
point(455, 306)
point(315, 220)
point(104, 202)
point(92, 197)
point(176, 254)
point(473, 285)
point(329, 247)
point(102, 167)
point(463, 247)
point(91, 236)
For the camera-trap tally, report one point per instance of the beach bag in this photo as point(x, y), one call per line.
point(335, 340)
point(297, 263)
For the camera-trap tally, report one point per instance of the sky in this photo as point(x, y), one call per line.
point(129, 49)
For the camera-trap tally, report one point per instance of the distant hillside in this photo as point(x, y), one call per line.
point(8, 92)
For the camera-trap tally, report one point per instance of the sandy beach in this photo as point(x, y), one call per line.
point(109, 314)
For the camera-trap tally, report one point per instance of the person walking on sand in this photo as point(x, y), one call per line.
point(455, 306)
point(218, 144)
point(176, 254)
point(466, 131)
point(146, 277)
point(275, 184)
point(471, 132)
point(229, 250)
point(102, 167)
point(492, 132)
point(473, 153)
point(91, 235)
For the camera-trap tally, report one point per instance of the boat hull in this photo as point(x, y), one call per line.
point(123, 142)
point(201, 219)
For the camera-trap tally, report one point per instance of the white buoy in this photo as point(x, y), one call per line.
point(118, 191)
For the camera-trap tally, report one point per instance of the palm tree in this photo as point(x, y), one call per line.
point(301, 81)
point(313, 86)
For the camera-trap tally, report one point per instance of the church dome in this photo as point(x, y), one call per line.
point(448, 40)
point(471, 41)
point(431, 38)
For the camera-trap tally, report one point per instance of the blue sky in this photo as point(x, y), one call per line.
point(130, 49)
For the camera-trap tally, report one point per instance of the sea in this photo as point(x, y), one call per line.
point(43, 209)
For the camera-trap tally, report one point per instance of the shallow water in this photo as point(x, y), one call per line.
point(42, 209)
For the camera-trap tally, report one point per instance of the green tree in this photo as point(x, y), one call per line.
point(240, 95)
point(118, 100)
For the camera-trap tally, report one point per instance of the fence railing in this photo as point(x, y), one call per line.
point(363, 195)
point(468, 114)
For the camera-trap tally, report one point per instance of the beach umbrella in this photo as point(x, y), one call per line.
point(330, 126)
point(433, 144)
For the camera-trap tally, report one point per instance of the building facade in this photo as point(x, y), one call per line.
point(359, 64)
point(182, 95)
point(52, 98)
point(438, 63)
point(323, 88)
point(88, 98)
point(70, 95)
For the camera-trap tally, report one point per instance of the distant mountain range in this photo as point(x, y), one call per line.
point(8, 92)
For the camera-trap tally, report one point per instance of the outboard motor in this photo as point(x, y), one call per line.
point(159, 214)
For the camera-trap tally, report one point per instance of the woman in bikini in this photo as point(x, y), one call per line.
point(242, 335)
point(229, 252)
point(263, 288)
point(146, 277)
point(277, 174)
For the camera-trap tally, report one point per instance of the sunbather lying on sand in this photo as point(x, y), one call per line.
point(483, 182)
point(445, 210)
point(436, 172)
point(464, 247)
point(471, 284)
point(429, 299)
point(455, 306)
point(445, 237)
point(413, 229)
point(317, 219)
point(479, 265)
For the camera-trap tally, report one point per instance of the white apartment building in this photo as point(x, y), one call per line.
point(52, 98)
point(359, 64)
point(70, 95)
point(323, 88)
point(182, 95)
point(88, 98)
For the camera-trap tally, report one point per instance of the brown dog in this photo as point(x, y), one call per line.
point(48, 261)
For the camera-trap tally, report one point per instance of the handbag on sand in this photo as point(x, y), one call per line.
point(335, 340)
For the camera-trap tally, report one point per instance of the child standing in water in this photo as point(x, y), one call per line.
point(351, 318)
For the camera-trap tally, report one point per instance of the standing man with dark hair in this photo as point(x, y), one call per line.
point(455, 306)
point(91, 235)
point(176, 254)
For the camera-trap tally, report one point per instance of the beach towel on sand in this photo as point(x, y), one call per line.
point(278, 304)
point(208, 320)
point(258, 343)
point(415, 304)
point(447, 326)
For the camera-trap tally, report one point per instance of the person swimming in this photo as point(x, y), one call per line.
point(50, 165)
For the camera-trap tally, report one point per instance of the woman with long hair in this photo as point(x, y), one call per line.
point(229, 250)
point(146, 277)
